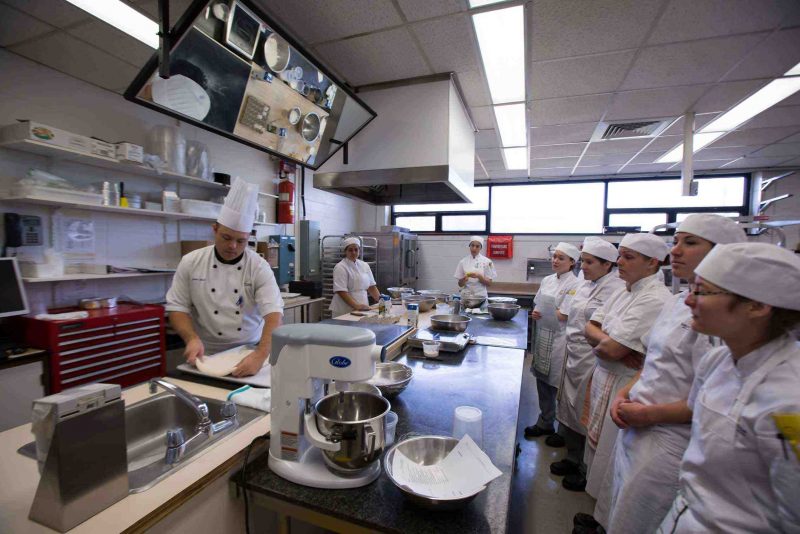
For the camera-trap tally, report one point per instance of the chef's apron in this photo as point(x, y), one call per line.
point(357, 286)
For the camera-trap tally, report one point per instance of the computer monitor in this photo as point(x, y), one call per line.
point(13, 300)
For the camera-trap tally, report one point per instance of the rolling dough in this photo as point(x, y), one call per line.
point(223, 363)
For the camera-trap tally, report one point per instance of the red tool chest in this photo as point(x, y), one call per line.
point(122, 345)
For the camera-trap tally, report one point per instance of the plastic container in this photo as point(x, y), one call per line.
point(442, 309)
point(468, 420)
point(413, 315)
point(390, 425)
point(201, 208)
point(430, 348)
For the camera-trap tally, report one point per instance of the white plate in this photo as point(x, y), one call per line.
point(291, 295)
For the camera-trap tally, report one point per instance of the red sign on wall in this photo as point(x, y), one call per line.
point(500, 246)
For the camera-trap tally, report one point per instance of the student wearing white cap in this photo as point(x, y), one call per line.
point(352, 281)
point(550, 341)
point(748, 294)
point(225, 295)
point(651, 409)
point(600, 282)
point(475, 271)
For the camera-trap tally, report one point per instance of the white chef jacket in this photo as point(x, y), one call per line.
point(725, 481)
point(552, 291)
point(355, 277)
point(479, 264)
point(227, 302)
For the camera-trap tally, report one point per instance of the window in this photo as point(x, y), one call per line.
point(644, 220)
point(463, 223)
point(714, 192)
point(481, 204)
point(417, 224)
point(548, 208)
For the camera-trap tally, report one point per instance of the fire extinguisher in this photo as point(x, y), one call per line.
point(286, 202)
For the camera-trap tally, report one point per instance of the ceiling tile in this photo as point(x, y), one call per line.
point(59, 14)
point(176, 8)
point(638, 168)
point(556, 135)
point(508, 174)
point(377, 57)
point(557, 151)
point(793, 100)
point(598, 171)
point(689, 19)
point(616, 146)
point(775, 117)
point(694, 62)
point(793, 139)
point(483, 117)
point(646, 158)
point(779, 149)
point(107, 38)
point(700, 120)
point(489, 154)
point(757, 163)
point(494, 165)
point(728, 153)
point(566, 28)
point(571, 110)
point(16, 26)
point(64, 53)
point(610, 159)
point(585, 75)
point(448, 43)
point(551, 163)
point(425, 9)
point(724, 96)
point(654, 103)
point(474, 88)
point(663, 143)
point(315, 21)
point(486, 139)
point(771, 58)
point(794, 163)
point(756, 136)
point(711, 164)
point(551, 173)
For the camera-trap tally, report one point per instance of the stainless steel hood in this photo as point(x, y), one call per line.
point(420, 149)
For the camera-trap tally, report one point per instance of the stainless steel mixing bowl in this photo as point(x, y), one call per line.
point(440, 296)
point(502, 311)
point(452, 323)
point(391, 378)
point(472, 302)
point(395, 292)
point(425, 303)
point(310, 127)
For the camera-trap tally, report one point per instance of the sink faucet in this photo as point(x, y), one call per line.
point(199, 407)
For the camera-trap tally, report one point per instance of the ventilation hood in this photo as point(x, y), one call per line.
point(420, 149)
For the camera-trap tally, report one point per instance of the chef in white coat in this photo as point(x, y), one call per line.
point(475, 271)
point(748, 294)
point(600, 282)
point(651, 409)
point(549, 342)
point(618, 331)
point(225, 295)
point(352, 281)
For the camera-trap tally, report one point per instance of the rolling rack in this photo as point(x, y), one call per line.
point(332, 254)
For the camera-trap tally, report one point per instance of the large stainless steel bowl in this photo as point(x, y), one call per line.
point(502, 311)
point(505, 300)
point(310, 127)
point(425, 303)
point(357, 421)
point(391, 378)
point(472, 302)
point(440, 296)
point(355, 386)
point(276, 52)
point(395, 292)
point(453, 323)
point(425, 450)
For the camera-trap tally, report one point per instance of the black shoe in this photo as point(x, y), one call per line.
point(574, 482)
point(536, 431)
point(584, 520)
point(555, 440)
point(563, 468)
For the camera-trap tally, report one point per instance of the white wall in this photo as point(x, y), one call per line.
point(337, 215)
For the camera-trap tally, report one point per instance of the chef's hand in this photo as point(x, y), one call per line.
point(635, 414)
point(250, 364)
point(614, 411)
point(362, 307)
point(536, 315)
point(194, 351)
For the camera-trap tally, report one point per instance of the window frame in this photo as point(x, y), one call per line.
point(671, 212)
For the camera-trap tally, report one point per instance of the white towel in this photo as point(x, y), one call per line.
point(258, 398)
point(62, 316)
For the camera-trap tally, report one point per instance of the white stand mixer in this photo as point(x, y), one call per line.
point(304, 358)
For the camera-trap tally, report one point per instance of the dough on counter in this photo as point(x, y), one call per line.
point(223, 363)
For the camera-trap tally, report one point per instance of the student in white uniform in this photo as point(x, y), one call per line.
point(550, 343)
point(352, 281)
point(225, 295)
point(618, 334)
point(651, 409)
point(475, 271)
point(748, 294)
point(600, 282)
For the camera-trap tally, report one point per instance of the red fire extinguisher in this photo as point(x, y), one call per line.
point(286, 202)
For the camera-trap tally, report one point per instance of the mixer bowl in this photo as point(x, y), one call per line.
point(450, 322)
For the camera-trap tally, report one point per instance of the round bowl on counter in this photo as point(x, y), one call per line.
point(450, 322)
point(440, 296)
point(472, 302)
point(502, 300)
point(391, 378)
point(310, 127)
point(425, 450)
point(425, 303)
point(395, 292)
point(502, 311)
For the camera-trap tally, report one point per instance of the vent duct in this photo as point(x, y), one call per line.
point(629, 129)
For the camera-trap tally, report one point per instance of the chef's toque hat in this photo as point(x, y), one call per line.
point(600, 248)
point(239, 211)
point(715, 228)
point(475, 239)
point(650, 245)
point(350, 241)
point(570, 250)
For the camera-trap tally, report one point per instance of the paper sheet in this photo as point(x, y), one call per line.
point(547, 307)
point(463, 472)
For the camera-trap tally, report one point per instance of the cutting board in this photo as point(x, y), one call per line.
point(259, 380)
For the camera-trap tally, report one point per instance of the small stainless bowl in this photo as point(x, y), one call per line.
point(452, 323)
point(391, 378)
point(395, 292)
point(276, 53)
point(440, 296)
point(425, 450)
point(502, 311)
point(472, 302)
point(503, 300)
point(310, 127)
point(425, 303)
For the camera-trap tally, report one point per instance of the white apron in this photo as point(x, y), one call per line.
point(550, 344)
point(353, 277)
point(479, 264)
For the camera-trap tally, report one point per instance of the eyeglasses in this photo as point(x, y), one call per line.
point(701, 293)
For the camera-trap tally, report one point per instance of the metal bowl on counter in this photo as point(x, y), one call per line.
point(310, 127)
point(472, 302)
point(395, 292)
point(503, 300)
point(355, 386)
point(277, 53)
point(425, 450)
point(425, 303)
point(391, 378)
point(502, 311)
point(440, 296)
point(452, 323)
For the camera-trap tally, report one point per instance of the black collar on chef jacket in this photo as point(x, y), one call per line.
point(228, 262)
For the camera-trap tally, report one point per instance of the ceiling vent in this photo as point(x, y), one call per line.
point(629, 129)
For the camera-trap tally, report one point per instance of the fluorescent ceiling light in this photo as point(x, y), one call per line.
point(794, 71)
point(516, 158)
point(511, 122)
point(764, 98)
point(479, 3)
point(123, 17)
point(701, 140)
point(501, 38)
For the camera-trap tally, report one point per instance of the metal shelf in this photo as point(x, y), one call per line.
point(109, 209)
point(69, 277)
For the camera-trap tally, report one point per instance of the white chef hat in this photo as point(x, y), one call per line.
point(570, 250)
point(239, 211)
point(600, 248)
point(475, 238)
point(758, 271)
point(352, 240)
point(715, 228)
point(650, 245)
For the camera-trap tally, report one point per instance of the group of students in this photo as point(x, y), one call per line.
point(666, 403)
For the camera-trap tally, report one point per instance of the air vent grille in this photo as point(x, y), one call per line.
point(629, 129)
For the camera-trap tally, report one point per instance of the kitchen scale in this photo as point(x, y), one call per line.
point(448, 341)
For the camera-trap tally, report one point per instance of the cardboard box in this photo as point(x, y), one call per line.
point(130, 152)
point(101, 148)
point(189, 246)
point(36, 131)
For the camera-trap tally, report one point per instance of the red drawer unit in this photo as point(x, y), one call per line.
point(122, 345)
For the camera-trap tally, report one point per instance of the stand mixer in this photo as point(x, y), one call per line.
point(320, 440)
